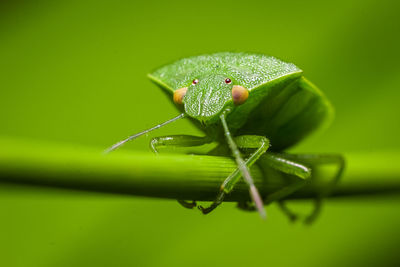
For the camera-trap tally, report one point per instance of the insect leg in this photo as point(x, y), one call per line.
point(187, 204)
point(288, 166)
point(179, 141)
point(291, 215)
point(317, 160)
point(255, 195)
point(276, 162)
point(248, 206)
point(261, 144)
point(281, 164)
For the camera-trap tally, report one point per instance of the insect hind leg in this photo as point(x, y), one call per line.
point(314, 160)
point(300, 176)
point(288, 212)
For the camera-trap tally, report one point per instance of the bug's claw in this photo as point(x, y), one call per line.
point(205, 210)
point(310, 219)
point(208, 209)
point(187, 204)
point(214, 204)
point(315, 213)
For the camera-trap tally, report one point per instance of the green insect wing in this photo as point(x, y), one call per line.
point(282, 105)
point(250, 70)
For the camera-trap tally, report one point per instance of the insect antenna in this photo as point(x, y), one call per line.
point(120, 143)
point(255, 195)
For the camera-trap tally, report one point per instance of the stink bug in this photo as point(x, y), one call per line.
point(246, 102)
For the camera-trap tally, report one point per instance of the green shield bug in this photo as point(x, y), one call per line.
point(246, 102)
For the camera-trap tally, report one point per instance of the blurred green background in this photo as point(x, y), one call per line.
point(75, 72)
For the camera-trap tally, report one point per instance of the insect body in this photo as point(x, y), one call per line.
point(250, 102)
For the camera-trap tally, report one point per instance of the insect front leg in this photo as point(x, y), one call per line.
point(261, 144)
point(179, 141)
point(315, 160)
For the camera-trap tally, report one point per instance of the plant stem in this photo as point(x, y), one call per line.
point(190, 177)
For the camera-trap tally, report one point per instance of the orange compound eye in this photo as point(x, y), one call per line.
point(239, 94)
point(179, 94)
